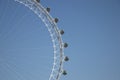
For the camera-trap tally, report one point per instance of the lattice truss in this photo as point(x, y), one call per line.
point(55, 34)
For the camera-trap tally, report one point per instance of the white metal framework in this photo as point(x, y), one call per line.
point(54, 31)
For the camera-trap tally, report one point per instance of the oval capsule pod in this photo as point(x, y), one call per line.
point(38, 0)
point(56, 20)
point(48, 9)
point(65, 45)
point(66, 58)
point(64, 72)
point(62, 32)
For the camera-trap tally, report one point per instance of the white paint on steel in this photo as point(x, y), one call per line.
point(54, 31)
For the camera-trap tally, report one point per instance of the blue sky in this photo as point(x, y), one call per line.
point(92, 29)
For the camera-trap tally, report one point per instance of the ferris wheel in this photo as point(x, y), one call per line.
point(55, 33)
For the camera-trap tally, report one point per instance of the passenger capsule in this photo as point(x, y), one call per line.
point(65, 45)
point(48, 9)
point(56, 20)
point(62, 32)
point(64, 72)
point(66, 58)
point(38, 1)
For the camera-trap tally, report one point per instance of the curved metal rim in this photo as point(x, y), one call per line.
point(57, 41)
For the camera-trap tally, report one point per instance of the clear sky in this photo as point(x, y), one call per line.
point(92, 29)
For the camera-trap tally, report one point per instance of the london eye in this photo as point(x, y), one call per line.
point(55, 33)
